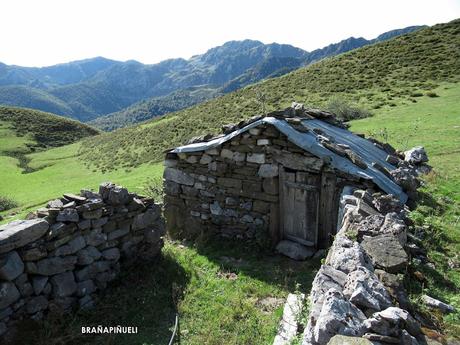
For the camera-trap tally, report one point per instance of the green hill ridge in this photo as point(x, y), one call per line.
point(386, 74)
point(26, 130)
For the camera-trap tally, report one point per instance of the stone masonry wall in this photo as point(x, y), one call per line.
point(232, 189)
point(65, 253)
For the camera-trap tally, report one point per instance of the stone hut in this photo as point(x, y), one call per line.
point(274, 177)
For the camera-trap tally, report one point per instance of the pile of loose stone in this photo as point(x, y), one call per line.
point(63, 254)
point(358, 291)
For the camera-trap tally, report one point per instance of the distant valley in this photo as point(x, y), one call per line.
point(112, 94)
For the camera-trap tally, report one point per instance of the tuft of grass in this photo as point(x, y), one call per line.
point(346, 111)
point(7, 203)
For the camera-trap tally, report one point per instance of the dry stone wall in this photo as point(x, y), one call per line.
point(65, 253)
point(358, 291)
point(231, 189)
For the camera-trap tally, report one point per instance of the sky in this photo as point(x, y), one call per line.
point(46, 32)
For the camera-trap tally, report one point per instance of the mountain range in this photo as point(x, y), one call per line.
point(130, 91)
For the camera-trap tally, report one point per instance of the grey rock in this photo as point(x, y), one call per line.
point(8, 294)
point(52, 266)
point(345, 340)
point(68, 215)
point(394, 285)
point(258, 158)
point(437, 304)
point(364, 290)
point(381, 338)
point(205, 159)
point(59, 230)
point(395, 226)
point(294, 250)
point(76, 244)
point(405, 178)
point(215, 209)
point(47, 289)
point(11, 266)
point(93, 214)
point(117, 233)
point(387, 203)
point(246, 218)
point(25, 289)
point(326, 278)
point(38, 283)
point(85, 287)
point(95, 238)
point(416, 155)
point(84, 224)
point(288, 327)
point(34, 254)
point(88, 255)
point(268, 170)
point(97, 223)
point(63, 250)
point(91, 204)
point(104, 189)
point(111, 254)
point(386, 252)
point(118, 196)
point(295, 161)
point(338, 316)
point(346, 255)
point(19, 233)
point(36, 304)
point(57, 203)
point(391, 320)
point(63, 284)
point(178, 176)
point(4, 313)
point(74, 197)
point(407, 339)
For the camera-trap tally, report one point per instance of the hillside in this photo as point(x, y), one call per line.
point(156, 106)
point(273, 65)
point(88, 89)
point(26, 130)
point(386, 74)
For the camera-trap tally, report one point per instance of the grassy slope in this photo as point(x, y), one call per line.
point(39, 129)
point(59, 171)
point(434, 123)
point(381, 75)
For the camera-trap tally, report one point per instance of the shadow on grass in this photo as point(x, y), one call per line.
point(241, 257)
point(144, 296)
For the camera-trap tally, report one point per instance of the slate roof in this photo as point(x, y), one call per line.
point(313, 141)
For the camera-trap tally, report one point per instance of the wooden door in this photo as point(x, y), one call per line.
point(299, 200)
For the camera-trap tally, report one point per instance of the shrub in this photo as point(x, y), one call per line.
point(7, 203)
point(153, 188)
point(346, 111)
point(432, 94)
